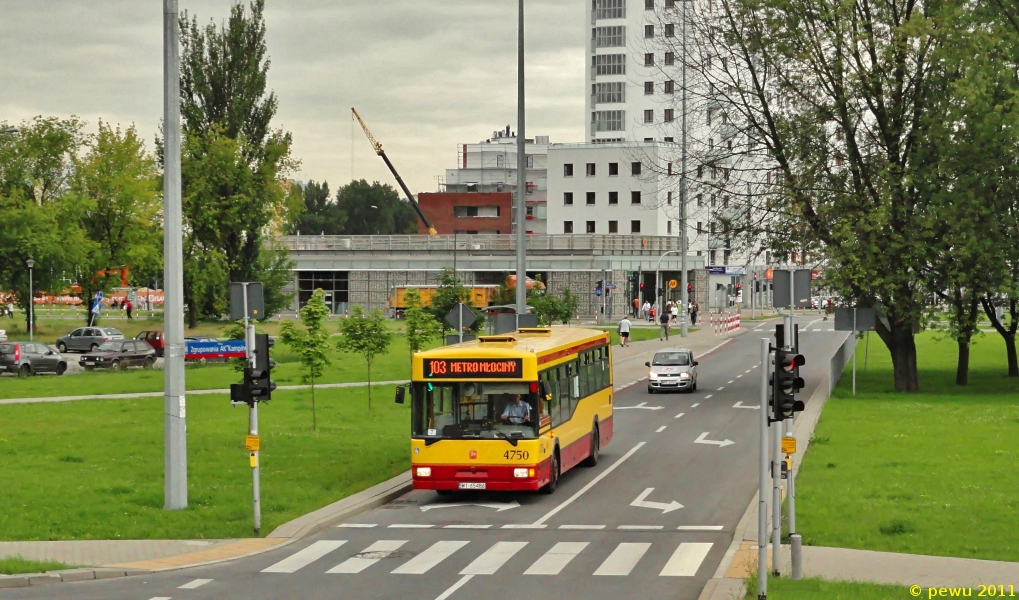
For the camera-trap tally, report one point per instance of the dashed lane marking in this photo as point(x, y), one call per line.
point(720, 389)
point(640, 527)
point(679, 415)
point(729, 382)
point(708, 397)
point(696, 404)
point(197, 583)
point(410, 526)
point(583, 527)
point(357, 525)
point(661, 429)
point(699, 528)
point(467, 526)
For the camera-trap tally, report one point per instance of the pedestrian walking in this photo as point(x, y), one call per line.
point(693, 314)
point(128, 307)
point(665, 326)
point(675, 313)
point(624, 332)
point(114, 304)
point(646, 309)
point(636, 308)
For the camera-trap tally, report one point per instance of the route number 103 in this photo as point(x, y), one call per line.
point(516, 455)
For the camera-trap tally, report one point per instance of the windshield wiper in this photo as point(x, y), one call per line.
point(503, 435)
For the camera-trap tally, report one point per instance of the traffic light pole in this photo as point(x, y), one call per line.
point(256, 493)
point(794, 538)
point(776, 499)
point(762, 503)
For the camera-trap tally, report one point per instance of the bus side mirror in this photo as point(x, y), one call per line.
point(400, 393)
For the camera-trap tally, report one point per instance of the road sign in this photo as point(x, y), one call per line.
point(864, 320)
point(801, 283)
point(597, 292)
point(97, 304)
point(195, 350)
point(251, 442)
point(461, 316)
point(610, 286)
point(788, 445)
point(672, 284)
point(256, 303)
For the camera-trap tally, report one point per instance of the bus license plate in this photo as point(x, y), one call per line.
point(471, 486)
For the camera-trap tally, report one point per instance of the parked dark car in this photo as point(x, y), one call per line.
point(120, 354)
point(29, 358)
point(154, 339)
point(87, 339)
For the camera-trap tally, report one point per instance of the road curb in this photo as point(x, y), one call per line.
point(284, 535)
point(720, 587)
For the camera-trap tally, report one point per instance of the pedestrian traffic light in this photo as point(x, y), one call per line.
point(689, 288)
point(642, 286)
point(785, 383)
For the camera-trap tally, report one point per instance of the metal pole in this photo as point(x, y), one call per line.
point(604, 293)
point(866, 349)
point(684, 300)
point(175, 466)
point(31, 307)
point(776, 501)
point(521, 174)
point(854, 352)
point(762, 503)
point(791, 500)
point(256, 468)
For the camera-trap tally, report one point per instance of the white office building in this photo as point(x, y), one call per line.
point(491, 166)
point(610, 188)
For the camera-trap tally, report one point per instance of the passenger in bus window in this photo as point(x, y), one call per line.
point(517, 411)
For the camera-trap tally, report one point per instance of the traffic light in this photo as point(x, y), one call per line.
point(257, 378)
point(258, 385)
point(739, 287)
point(785, 383)
point(642, 286)
point(689, 288)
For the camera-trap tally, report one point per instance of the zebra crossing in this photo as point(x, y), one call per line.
point(684, 561)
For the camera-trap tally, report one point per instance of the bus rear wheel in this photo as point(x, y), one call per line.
point(592, 459)
point(553, 481)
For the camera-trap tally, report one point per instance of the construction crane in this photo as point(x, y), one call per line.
point(378, 150)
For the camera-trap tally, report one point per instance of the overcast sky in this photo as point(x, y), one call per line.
point(424, 74)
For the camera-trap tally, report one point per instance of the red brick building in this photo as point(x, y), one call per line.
point(467, 212)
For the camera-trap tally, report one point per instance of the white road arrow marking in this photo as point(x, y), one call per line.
point(703, 439)
point(665, 508)
point(640, 406)
point(740, 405)
point(498, 506)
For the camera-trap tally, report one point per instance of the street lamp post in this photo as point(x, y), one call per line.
point(684, 300)
point(31, 302)
point(521, 290)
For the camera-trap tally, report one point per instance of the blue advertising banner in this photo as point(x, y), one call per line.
point(727, 271)
point(194, 350)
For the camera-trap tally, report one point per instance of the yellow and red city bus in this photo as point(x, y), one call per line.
point(511, 411)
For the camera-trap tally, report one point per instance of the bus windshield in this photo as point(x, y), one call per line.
point(474, 410)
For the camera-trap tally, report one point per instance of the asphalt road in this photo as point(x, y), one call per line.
point(607, 532)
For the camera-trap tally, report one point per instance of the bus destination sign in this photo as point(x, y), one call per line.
point(466, 368)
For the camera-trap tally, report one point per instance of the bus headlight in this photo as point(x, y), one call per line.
point(424, 471)
point(523, 473)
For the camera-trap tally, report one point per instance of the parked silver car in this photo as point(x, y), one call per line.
point(87, 339)
point(29, 358)
point(672, 369)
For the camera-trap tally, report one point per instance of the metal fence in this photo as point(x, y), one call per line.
point(485, 244)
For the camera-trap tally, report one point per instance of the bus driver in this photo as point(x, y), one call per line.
point(517, 412)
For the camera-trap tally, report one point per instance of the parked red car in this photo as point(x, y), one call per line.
point(154, 338)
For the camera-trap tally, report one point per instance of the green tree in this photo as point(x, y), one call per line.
point(37, 219)
point(116, 187)
point(839, 100)
point(235, 166)
point(421, 325)
point(311, 344)
point(569, 304)
point(374, 209)
point(321, 216)
point(367, 335)
point(450, 292)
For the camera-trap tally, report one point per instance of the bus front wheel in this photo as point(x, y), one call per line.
point(553, 481)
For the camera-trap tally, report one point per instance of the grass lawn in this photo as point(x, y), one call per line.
point(18, 566)
point(94, 469)
point(927, 473)
point(819, 589)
